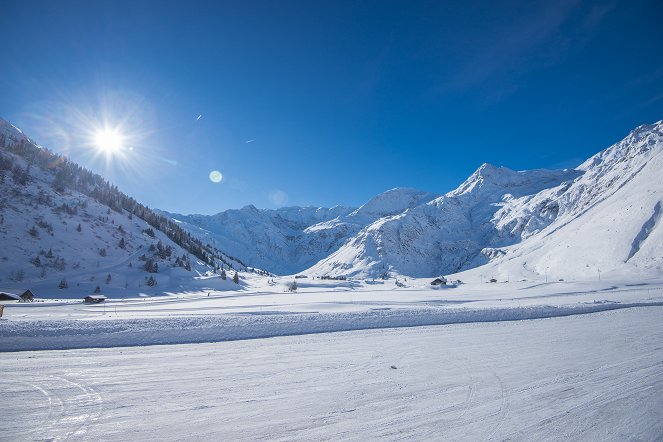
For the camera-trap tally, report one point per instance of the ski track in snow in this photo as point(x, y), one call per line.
point(587, 377)
point(69, 334)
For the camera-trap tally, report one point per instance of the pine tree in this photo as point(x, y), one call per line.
point(33, 232)
point(63, 284)
point(108, 279)
point(49, 254)
point(223, 274)
point(78, 228)
point(122, 245)
point(97, 289)
point(236, 278)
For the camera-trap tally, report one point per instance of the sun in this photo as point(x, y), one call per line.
point(108, 140)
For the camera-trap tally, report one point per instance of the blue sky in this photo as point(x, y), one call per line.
point(325, 102)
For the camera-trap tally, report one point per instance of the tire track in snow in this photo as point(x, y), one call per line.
point(72, 408)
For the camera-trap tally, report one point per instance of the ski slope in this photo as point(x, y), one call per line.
point(584, 377)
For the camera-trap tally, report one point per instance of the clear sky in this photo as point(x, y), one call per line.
point(325, 102)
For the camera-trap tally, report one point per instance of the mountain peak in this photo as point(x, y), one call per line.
point(394, 201)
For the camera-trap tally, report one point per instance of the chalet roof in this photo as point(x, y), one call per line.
point(17, 293)
point(95, 297)
point(12, 291)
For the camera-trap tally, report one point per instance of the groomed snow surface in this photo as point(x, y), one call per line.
point(589, 368)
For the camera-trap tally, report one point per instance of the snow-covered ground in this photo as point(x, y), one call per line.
point(264, 310)
point(585, 377)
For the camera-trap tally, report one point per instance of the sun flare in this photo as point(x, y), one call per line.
point(108, 140)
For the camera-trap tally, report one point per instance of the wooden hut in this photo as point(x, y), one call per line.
point(94, 299)
point(439, 281)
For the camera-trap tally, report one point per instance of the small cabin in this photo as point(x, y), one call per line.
point(17, 295)
point(94, 299)
point(8, 296)
point(27, 296)
point(493, 280)
point(439, 281)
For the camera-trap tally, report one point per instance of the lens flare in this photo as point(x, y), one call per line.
point(215, 176)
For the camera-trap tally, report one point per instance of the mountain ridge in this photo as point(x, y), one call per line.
point(494, 208)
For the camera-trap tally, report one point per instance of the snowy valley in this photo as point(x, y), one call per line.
point(547, 326)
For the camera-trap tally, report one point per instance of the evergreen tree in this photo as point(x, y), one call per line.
point(49, 254)
point(63, 284)
point(78, 228)
point(122, 245)
point(97, 289)
point(223, 274)
point(236, 278)
point(108, 279)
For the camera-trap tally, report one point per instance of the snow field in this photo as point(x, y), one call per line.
point(589, 377)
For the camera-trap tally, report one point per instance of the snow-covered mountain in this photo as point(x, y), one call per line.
point(442, 235)
point(605, 222)
point(291, 239)
point(64, 231)
point(59, 221)
point(604, 213)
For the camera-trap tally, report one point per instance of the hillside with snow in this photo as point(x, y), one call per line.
point(66, 232)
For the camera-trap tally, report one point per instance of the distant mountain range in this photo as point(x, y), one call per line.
point(59, 221)
point(601, 216)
